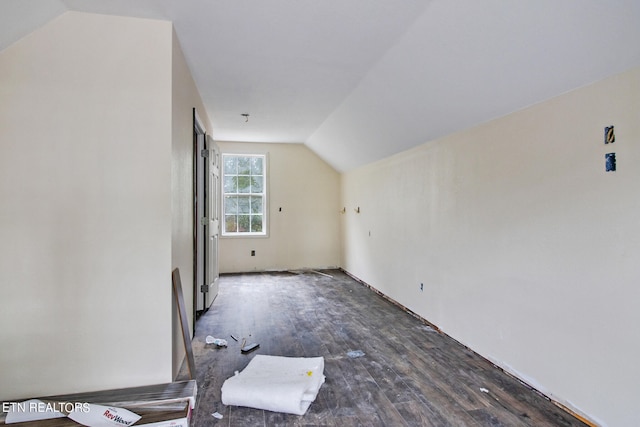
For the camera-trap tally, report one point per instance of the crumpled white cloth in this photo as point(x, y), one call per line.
point(276, 383)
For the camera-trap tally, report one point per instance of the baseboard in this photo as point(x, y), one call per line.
point(282, 270)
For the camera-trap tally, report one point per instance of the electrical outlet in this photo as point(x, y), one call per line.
point(253, 253)
point(421, 287)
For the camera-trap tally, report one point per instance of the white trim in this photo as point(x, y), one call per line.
point(265, 200)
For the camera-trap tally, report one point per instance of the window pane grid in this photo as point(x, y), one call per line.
point(244, 194)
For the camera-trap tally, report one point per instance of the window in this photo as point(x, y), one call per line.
point(245, 195)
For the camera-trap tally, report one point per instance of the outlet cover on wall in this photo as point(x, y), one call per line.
point(610, 162)
point(609, 135)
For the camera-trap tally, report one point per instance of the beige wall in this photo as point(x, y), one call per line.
point(305, 234)
point(85, 214)
point(185, 98)
point(527, 248)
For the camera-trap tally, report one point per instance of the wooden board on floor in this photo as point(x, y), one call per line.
point(184, 322)
point(154, 403)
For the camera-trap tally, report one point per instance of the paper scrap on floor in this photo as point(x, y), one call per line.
point(104, 416)
point(276, 383)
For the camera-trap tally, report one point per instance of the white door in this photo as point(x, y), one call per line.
point(212, 221)
point(206, 217)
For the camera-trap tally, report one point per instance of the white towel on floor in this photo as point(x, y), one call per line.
point(276, 383)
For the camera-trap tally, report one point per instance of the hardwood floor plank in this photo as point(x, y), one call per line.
point(489, 417)
point(239, 416)
point(409, 374)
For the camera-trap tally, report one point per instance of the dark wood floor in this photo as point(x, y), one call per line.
point(410, 375)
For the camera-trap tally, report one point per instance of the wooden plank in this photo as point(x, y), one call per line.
point(184, 322)
point(154, 403)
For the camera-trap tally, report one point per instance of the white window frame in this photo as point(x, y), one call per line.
point(264, 194)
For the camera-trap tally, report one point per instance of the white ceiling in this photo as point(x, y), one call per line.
point(359, 80)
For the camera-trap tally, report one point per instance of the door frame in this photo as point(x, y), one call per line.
point(199, 246)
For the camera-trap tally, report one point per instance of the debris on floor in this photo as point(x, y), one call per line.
point(249, 347)
point(217, 415)
point(298, 381)
point(484, 390)
point(161, 404)
point(355, 354)
point(100, 415)
point(217, 341)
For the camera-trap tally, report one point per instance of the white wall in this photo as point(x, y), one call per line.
point(306, 233)
point(185, 97)
point(86, 208)
point(527, 248)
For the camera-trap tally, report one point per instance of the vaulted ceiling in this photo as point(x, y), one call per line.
point(359, 80)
